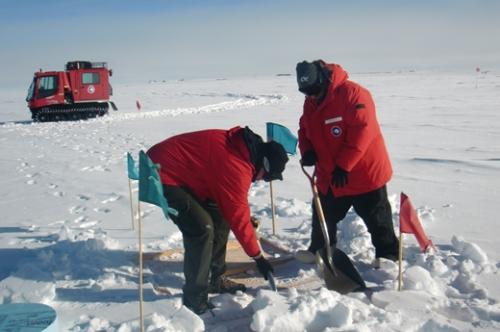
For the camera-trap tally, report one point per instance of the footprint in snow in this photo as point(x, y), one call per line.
point(58, 193)
point(58, 223)
point(103, 210)
point(88, 224)
point(24, 166)
point(111, 198)
point(99, 168)
point(77, 209)
point(80, 219)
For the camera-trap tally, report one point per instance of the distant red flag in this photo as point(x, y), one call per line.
point(478, 69)
point(410, 224)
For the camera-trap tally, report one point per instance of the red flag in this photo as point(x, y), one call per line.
point(410, 224)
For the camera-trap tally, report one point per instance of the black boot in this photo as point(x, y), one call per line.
point(197, 304)
point(225, 285)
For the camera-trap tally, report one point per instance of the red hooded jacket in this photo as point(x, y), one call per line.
point(343, 130)
point(215, 164)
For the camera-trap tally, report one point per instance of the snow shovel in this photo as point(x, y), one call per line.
point(347, 278)
point(340, 273)
point(327, 258)
point(272, 283)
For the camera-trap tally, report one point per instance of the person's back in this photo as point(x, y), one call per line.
point(203, 160)
point(206, 176)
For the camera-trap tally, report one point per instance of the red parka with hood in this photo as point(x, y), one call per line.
point(343, 130)
point(215, 165)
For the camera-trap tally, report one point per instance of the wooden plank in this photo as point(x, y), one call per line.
point(236, 259)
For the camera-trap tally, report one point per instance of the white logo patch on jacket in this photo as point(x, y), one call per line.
point(333, 120)
point(336, 131)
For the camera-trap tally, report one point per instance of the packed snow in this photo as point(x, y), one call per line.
point(67, 238)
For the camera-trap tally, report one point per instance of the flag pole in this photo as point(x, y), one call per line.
point(400, 281)
point(131, 207)
point(273, 212)
point(141, 298)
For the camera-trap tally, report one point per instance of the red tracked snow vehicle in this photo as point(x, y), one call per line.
point(80, 92)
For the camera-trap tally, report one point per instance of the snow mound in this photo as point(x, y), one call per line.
point(469, 250)
point(19, 290)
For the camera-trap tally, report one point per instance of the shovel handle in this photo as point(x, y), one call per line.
point(311, 177)
point(321, 217)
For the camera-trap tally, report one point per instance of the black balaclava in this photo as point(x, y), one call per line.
point(313, 78)
point(276, 157)
point(275, 153)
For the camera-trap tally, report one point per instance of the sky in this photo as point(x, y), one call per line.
point(156, 40)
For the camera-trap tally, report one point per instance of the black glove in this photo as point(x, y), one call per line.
point(339, 177)
point(309, 158)
point(264, 266)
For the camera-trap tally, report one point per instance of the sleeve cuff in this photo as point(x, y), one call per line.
point(257, 256)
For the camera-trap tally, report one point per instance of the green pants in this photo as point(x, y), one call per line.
point(205, 234)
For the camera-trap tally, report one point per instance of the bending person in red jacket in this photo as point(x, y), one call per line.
point(340, 135)
point(206, 176)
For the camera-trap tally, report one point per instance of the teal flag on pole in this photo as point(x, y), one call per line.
point(282, 135)
point(150, 186)
point(133, 170)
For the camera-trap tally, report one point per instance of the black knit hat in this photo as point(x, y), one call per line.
point(309, 77)
point(276, 157)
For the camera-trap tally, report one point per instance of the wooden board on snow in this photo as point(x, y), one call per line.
point(236, 259)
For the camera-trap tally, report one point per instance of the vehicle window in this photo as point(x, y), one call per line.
point(90, 78)
point(47, 86)
point(31, 91)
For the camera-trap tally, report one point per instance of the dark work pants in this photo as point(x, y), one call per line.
point(375, 210)
point(205, 234)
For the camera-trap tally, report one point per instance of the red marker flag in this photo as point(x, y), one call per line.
point(410, 224)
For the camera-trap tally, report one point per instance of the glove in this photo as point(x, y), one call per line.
point(255, 223)
point(339, 177)
point(264, 266)
point(309, 158)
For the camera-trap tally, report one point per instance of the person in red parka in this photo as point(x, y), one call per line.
point(339, 134)
point(206, 176)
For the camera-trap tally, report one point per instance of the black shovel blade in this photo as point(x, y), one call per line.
point(272, 283)
point(346, 278)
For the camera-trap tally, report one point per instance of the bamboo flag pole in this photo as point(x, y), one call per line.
point(141, 298)
point(131, 207)
point(400, 260)
point(273, 212)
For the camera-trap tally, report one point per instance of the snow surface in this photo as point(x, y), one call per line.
point(67, 239)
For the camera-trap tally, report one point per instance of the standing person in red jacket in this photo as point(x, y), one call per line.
point(206, 176)
point(340, 135)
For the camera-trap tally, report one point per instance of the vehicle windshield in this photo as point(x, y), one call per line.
point(31, 91)
point(47, 86)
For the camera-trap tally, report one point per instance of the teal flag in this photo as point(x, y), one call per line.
point(133, 171)
point(282, 135)
point(150, 186)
